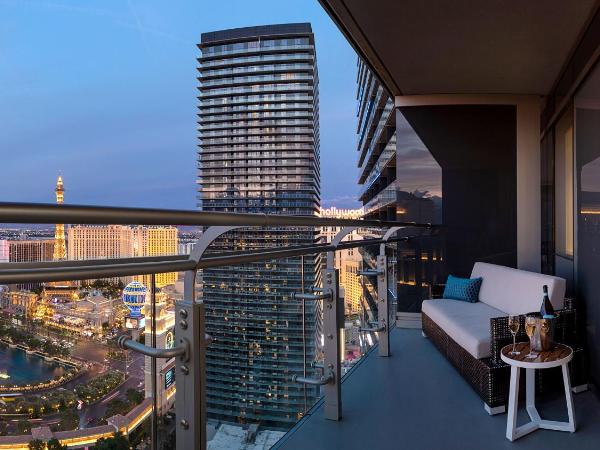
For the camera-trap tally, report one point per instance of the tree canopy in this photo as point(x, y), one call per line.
point(54, 444)
point(37, 444)
point(116, 442)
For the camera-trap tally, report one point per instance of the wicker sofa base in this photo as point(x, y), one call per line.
point(488, 379)
point(491, 379)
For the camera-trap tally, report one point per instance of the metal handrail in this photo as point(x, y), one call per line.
point(57, 272)
point(311, 297)
point(79, 270)
point(375, 328)
point(190, 351)
point(321, 381)
point(369, 273)
point(126, 342)
point(92, 262)
point(84, 214)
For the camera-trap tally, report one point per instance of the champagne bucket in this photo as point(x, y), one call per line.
point(543, 337)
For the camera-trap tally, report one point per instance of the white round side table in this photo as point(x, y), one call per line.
point(560, 356)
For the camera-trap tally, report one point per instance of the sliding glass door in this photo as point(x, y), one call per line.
point(587, 251)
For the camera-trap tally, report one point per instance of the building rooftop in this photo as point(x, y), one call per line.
point(252, 32)
point(233, 436)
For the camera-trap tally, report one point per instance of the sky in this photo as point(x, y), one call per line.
point(105, 93)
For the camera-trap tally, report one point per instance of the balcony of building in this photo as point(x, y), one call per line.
point(477, 96)
point(415, 399)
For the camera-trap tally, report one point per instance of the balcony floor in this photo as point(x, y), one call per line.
point(416, 400)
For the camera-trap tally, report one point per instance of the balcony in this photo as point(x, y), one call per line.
point(257, 50)
point(413, 398)
point(414, 393)
point(416, 400)
point(262, 59)
point(384, 198)
point(272, 381)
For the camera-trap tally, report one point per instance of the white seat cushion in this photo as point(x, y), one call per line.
point(467, 323)
point(517, 291)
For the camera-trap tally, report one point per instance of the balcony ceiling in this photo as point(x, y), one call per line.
point(464, 46)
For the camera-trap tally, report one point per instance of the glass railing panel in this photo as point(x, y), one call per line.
point(264, 336)
point(264, 58)
point(256, 88)
point(60, 365)
point(224, 118)
point(386, 197)
point(253, 126)
point(386, 156)
point(257, 78)
point(259, 49)
point(256, 68)
point(62, 368)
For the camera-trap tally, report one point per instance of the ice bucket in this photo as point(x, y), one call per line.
point(543, 337)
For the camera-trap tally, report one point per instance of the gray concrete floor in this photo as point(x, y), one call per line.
point(416, 400)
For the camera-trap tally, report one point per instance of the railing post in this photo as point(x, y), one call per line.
point(331, 329)
point(383, 305)
point(190, 324)
point(154, 445)
point(383, 294)
point(190, 399)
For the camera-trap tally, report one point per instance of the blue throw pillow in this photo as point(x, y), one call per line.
point(464, 289)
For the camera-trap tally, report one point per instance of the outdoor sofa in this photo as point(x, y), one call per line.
point(471, 335)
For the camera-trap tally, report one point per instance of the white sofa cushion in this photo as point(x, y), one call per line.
point(467, 323)
point(515, 291)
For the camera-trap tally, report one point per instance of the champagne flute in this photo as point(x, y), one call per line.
point(530, 326)
point(513, 326)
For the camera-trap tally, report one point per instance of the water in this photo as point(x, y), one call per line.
point(23, 368)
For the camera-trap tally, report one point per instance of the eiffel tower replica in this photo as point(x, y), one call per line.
point(60, 290)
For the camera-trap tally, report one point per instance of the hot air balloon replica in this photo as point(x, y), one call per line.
point(134, 297)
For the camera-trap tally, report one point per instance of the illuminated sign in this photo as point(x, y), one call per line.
point(134, 323)
point(170, 340)
point(169, 377)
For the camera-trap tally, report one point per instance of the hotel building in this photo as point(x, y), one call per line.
point(259, 153)
point(120, 241)
point(399, 180)
point(155, 241)
point(30, 251)
point(348, 261)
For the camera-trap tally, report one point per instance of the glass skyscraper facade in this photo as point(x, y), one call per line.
point(400, 180)
point(376, 146)
point(259, 153)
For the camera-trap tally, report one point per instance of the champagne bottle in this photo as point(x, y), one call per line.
point(547, 311)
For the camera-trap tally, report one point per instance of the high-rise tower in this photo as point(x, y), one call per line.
point(60, 246)
point(259, 153)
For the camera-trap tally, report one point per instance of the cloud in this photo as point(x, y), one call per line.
point(341, 201)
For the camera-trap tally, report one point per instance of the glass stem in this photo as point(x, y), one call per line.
point(514, 342)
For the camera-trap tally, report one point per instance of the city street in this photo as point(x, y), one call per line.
point(91, 415)
point(95, 353)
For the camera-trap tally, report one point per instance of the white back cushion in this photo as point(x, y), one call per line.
point(517, 291)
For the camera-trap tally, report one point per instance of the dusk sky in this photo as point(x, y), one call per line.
point(104, 92)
